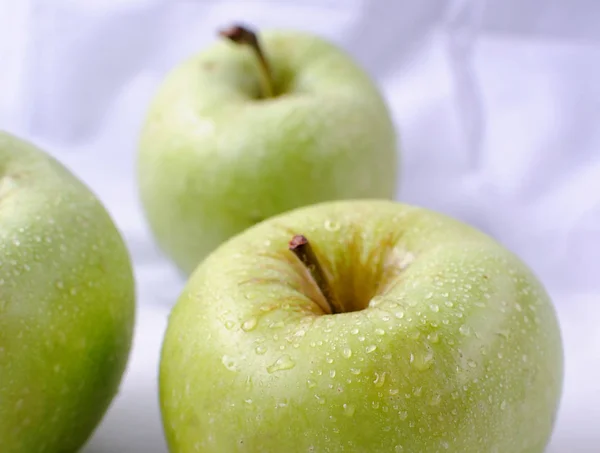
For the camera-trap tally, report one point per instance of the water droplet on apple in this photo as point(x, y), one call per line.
point(435, 308)
point(433, 337)
point(249, 324)
point(403, 415)
point(448, 304)
point(435, 399)
point(399, 314)
point(355, 371)
point(310, 383)
point(445, 445)
point(465, 330)
point(370, 348)
point(332, 373)
point(380, 331)
point(284, 362)
point(229, 363)
point(229, 324)
point(349, 410)
point(331, 225)
point(471, 363)
point(379, 379)
point(354, 331)
point(260, 350)
point(347, 352)
point(320, 399)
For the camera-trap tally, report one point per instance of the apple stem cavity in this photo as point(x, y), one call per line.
point(243, 35)
point(300, 247)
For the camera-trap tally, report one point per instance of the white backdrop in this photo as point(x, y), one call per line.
point(497, 103)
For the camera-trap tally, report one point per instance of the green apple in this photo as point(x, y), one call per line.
point(238, 133)
point(383, 327)
point(66, 304)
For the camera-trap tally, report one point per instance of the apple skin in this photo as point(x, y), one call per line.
point(66, 304)
point(215, 158)
point(448, 342)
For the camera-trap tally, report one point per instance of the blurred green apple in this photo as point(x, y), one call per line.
point(246, 130)
point(383, 328)
point(66, 304)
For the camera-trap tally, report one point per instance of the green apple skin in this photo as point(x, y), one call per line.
point(66, 304)
point(448, 341)
point(215, 157)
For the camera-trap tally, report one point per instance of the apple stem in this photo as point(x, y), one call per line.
point(242, 35)
point(300, 246)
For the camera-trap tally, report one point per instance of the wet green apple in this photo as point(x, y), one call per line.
point(361, 326)
point(243, 131)
point(66, 304)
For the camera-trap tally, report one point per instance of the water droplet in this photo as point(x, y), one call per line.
point(284, 362)
point(320, 399)
point(229, 324)
point(464, 330)
point(310, 383)
point(349, 410)
point(435, 399)
point(260, 350)
point(398, 449)
point(434, 308)
point(380, 331)
point(249, 324)
point(429, 295)
point(471, 363)
point(403, 415)
point(355, 371)
point(370, 348)
point(379, 379)
point(448, 304)
point(424, 361)
point(518, 307)
point(229, 363)
point(433, 337)
point(332, 373)
point(354, 331)
point(445, 445)
point(500, 355)
point(248, 401)
point(347, 352)
point(331, 225)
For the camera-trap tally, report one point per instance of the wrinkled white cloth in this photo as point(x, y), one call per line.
point(497, 104)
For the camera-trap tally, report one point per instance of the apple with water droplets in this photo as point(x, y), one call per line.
point(361, 326)
point(255, 125)
point(66, 304)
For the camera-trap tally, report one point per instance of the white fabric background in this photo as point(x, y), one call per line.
point(497, 103)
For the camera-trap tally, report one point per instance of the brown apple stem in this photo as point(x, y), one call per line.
point(242, 35)
point(300, 246)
